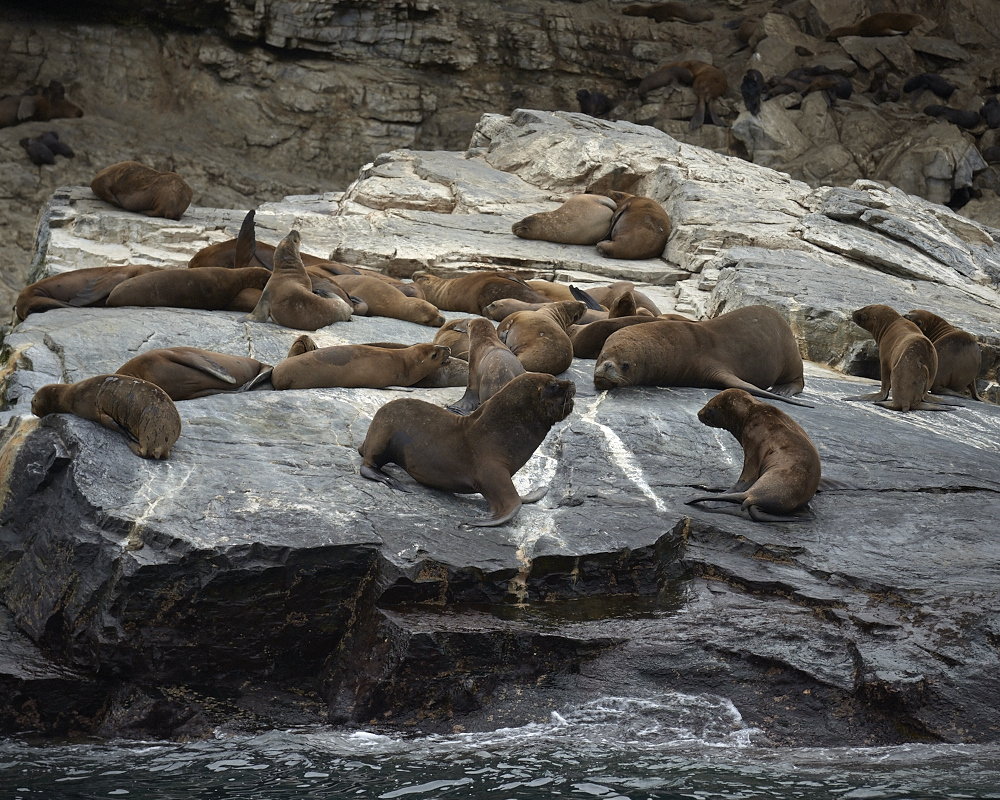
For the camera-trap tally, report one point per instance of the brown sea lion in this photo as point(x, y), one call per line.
point(707, 81)
point(640, 229)
point(80, 288)
point(37, 104)
point(491, 366)
point(751, 348)
point(907, 360)
point(384, 300)
point(211, 289)
point(587, 340)
point(455, 336)
point(140, 410)
point(556, 292)
point(668, 12)
point(781, 467)
point(288, 299)
point(887, 23)
point(539, 339)
point(358, 366)
point(499, 310)
point(605, 295)
point(185, 373)
point(583, 219)
point(958, 353)
point(472, 293)
point(136, 187)
point(477, 453)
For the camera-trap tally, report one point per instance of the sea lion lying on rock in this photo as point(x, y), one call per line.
point(210, 289)
point(472, 293)
point(385, 300)
point(185, 373)
point(80, 288)
point(707, 81)
point(639, 229)
point(583, 219)
point(540, 339)
point(667, 12)
point(37, 104)
point(887, 23)
point(136, 187)
point(358, 366)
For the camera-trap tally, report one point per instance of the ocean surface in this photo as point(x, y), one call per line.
point(671, 746)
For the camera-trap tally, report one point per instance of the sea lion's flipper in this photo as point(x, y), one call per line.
point(732, 382)
point(26, 108)
point(830, 485)
point(246, 242)
point(872, 396)
point(500, 493)
point(112, 424)
point(373, 474)
point(535, 496)
point(604, 200)
point(941, 393)
point(584, 297)
point(262, 311)
point(95, 290)
point(253, 383)
point(359, 307)
point(493, 522)
point(727, 497)
point(758, 515)
point(922, 406)
point(204, 364)
point(304, 344)
point(699, 115)
point(465, 406)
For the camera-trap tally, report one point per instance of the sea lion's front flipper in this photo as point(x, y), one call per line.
point(262, 311)
point(728, 497)
point(872, 396)
point(535, 496)
point(373, 474)
point(465, 406)
point(97, 289)
point(204, 364)
point(499, 491)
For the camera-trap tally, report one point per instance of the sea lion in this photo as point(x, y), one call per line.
point(958, 353)
point(77, 289)
point(455, 336)
point(539, 339)
point(287, 297)
point(384, 300)
point(887, 23)
point(605, 295)
point(879, 88)
point(990, 112)
point(136, 187)
point(906, 357)
point(583, 219)
point(358, 366)
point(556, 292)
point(587, 340)
point(752, 90)
point(185, 373)
point(781, 467)
point(210, 289)
point(707, 81)
point(37, 104)
point(991, 155)
point(477, 453)
point(668, 12)
point(473, 292)
point(594, 104)
point(51, 140)
point(751, 348)
point(38, 152)
point(831, 86)
point(499, 310)
point(639, 229)
point(492, 366)
point(139, 409)
point(964, 119)
point(928, 81)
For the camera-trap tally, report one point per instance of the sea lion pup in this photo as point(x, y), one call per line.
point(964, 119)
point(667, 12)
point(594, 104)
point(80, 288)
point(384, 300)
point(639, 229)
point(751, 348)
point(358, 366)
point(288, 298)
point(209, 289)
point(958, 354)
point(781, 468)
point(752, 90)
point(139, 409)
point(477, 453)
point(906, 357)
point(136, 187)
point(887, 23)
point(587, 340)
point(539, 339)
point(928, 81)
point(455, 336)
point(185, 373)
point(38, 152)
point(491, 367)
point(707, 81)
point(473, 292)
point(583, 219)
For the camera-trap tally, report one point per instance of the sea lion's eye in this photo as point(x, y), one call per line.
point(625, 366)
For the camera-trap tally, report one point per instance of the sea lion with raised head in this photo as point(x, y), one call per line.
point(477, 453)
point(144, 190)
point(707, 81)
point(640, 228)
point(907, 359)
point(583, 219)
point(752, 348)
point(540, 339)
point(358, 366)
point(492, 366)
point(80, 288)
point(209, 289)
point(959, 356)
point(886, 23)
point(185, 373)
point(140, 410)
point(473, 292)
point(384, 300)
point(781, 467)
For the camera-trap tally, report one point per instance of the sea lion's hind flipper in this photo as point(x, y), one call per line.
point(246, 242)
point(373, 474)
point(732, 382)
point(830, 485)
point(726, 497)
point(263, 376)
point(535, 496)
point(112, 424)
point(872, 396)
point(584, 297)
point(944, 395)
point(758, 515)
point(921, 406)
point(465, 406)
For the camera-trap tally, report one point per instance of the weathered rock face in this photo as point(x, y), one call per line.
point(256, 579)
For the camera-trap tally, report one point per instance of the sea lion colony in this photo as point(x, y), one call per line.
point(513, 396)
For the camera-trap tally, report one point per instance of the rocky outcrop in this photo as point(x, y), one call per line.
point(256, 579)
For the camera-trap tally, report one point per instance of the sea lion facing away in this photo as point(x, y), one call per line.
point(958, 353)
point(640, 228)
point(136, 187)
point(540, 339)
point(185, 373)
point(583, 219)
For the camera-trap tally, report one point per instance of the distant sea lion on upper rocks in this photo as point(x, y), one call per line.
point(781, 466)
point(707, 81)
point(640, 228)
point(37, 104)
point(667, 12)
point(752, 90)
point(956, 116)
point(594, 104)
point(140, 410)
point(477, 453)
point(79, 288)
point(929, 80)
point(583, 219)
point(472, 293)
point(887, 23)
point(185, 373)
point(959, 357)
point(136, 187)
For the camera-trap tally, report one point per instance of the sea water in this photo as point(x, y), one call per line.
point(669, 746)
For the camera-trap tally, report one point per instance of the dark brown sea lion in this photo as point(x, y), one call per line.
point(887, 23)
point(990, 112)
point(640, 229)
point(929, 81)
point(707, 81)
point(211, 289)
point(539, 339)
point(288, 298)
point(358, 366)
point(668, 12)
point(587, 340)
point(781, 467)
point(185, 373)
point(595, 104)
point(751, 348)
point(136, 187)
point(831, 86)
point(385, 300)
point(77, 289)
point(958, 353)
point(491, 366)
point(752, 90)
point(455, 336)
point(38, 152)
point(477, 453)
point(472, 293)
point(956, 116)
point(140, 410)
point(51, 140)
point(583, 219)
point(907, 360)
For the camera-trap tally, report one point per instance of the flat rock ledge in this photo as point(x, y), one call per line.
point(255, 579)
